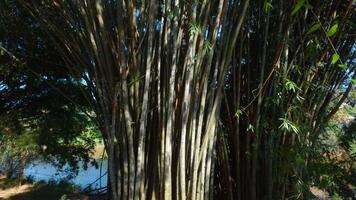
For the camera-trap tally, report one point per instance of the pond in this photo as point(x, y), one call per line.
point(46, 171)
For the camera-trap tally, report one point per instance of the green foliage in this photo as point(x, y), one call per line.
point(352, 149)
point(16, 151)
point(342, 66)
point(194, 28)
point(313, 28)
point(36, 120)
point(238, 113)
point(299, 4)
point(291, 86)
point(288, 126)
point(267, 6)
point(348, 138)
point(333, 30)
point(335, 57)
point(207, 46)
point(332, 163)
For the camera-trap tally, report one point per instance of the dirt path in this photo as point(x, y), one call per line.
point(319, 194)
point(28, 191)
point(7, 193)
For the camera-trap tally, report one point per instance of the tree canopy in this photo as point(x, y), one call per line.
point(36, 118)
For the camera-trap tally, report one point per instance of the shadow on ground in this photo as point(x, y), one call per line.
point(13, 190)
point(46, 192)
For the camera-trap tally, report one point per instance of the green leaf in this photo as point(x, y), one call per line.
point(343, 66)
point(238, 113)
point(314, 28)
point(267, 6)
point(353, 81)
point(332, 30)
point(352, 148)
point(335, 58)
point(354, 95)
point(290, 85)
point(194, 28)
point(207, 46)
point(297, 6)
point(288, 125)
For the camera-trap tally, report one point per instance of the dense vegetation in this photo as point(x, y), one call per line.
point(194, 99)
point(41, 106)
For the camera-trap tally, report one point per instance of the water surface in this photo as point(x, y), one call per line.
point(46, 171)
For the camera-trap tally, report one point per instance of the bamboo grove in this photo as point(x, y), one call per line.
point(208, 99)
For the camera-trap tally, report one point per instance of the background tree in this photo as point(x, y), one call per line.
point(35, 117)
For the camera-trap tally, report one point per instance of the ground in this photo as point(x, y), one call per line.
point(13, 190)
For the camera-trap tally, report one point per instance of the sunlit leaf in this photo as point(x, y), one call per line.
point(335, 57)
point(332, 30)
point(291, 86)
point(288, 125)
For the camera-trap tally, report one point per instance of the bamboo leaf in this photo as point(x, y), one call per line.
point(288, 125)
point(194, 28)
point(335, 57)
point(207, 46)
point(342, 66)
point(291, 86)
point(332, 30)
point(297, 6)
point(267, 6)
point(238, 113)
point(314, 28)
